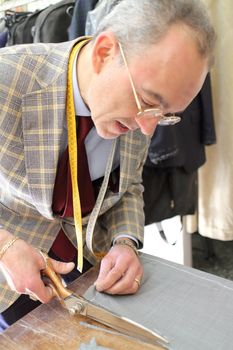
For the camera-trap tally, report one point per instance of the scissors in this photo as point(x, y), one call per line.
point(77, 304)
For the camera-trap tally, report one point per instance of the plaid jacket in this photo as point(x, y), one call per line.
point(32, 111)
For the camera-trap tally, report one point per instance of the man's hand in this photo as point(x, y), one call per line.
point(21, 265)
point(119, 270)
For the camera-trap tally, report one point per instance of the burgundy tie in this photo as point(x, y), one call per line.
point(86, 190)
point(62, 195)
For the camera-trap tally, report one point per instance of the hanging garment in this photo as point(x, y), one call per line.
point(3, 37)
point(174, 156)
point(51, 26)
point(215, 210)
point(78, 22)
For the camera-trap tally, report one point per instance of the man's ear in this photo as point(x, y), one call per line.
point(104, 49)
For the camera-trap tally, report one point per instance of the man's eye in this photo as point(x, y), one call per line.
point(146, 104)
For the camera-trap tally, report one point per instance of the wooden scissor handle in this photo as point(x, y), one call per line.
point(55, 281)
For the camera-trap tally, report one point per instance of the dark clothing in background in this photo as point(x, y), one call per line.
point(3, 38)
point(184, 143)
point(78, 23)
point(175, 154)
point(168, 192)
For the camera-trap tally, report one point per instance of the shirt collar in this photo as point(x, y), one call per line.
point(80, 106)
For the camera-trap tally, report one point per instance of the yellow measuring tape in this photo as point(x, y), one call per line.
point(73, 153)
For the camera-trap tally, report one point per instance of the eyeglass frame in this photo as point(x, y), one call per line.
point(150, 112)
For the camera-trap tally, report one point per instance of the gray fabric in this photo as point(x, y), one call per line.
point(192, 309)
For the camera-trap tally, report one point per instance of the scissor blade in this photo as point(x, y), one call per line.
point(123, 325)
point(79, 305)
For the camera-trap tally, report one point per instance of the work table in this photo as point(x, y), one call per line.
point(190, 308)
point(50, 327)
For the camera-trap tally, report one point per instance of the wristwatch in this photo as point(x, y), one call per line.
point(128, 242)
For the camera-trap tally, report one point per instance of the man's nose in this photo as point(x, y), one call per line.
point(147, 125)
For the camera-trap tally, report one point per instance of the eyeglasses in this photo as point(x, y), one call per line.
point(151, 112)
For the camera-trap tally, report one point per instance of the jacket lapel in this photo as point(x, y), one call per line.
point(42, 140)
point(43, 124)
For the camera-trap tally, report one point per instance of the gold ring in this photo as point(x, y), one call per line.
point(137, 280)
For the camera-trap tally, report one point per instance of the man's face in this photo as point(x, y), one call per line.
point(167, 75)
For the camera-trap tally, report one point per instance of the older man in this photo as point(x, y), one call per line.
point(147, 61)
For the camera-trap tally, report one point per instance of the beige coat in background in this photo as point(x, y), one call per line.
point(215, 213)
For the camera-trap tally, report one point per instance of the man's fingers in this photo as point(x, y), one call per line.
point(40, 292)
point(58, 266)
point(105, 267)
point(113, 276)
point(49, 294)
point(62, 267)
point(109, 274)
point(118, 271)
point(44, 292)
point(126, 285)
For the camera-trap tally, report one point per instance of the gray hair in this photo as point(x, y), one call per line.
point(138, 23)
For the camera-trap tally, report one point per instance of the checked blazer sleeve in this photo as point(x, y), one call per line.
point(32, 105)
